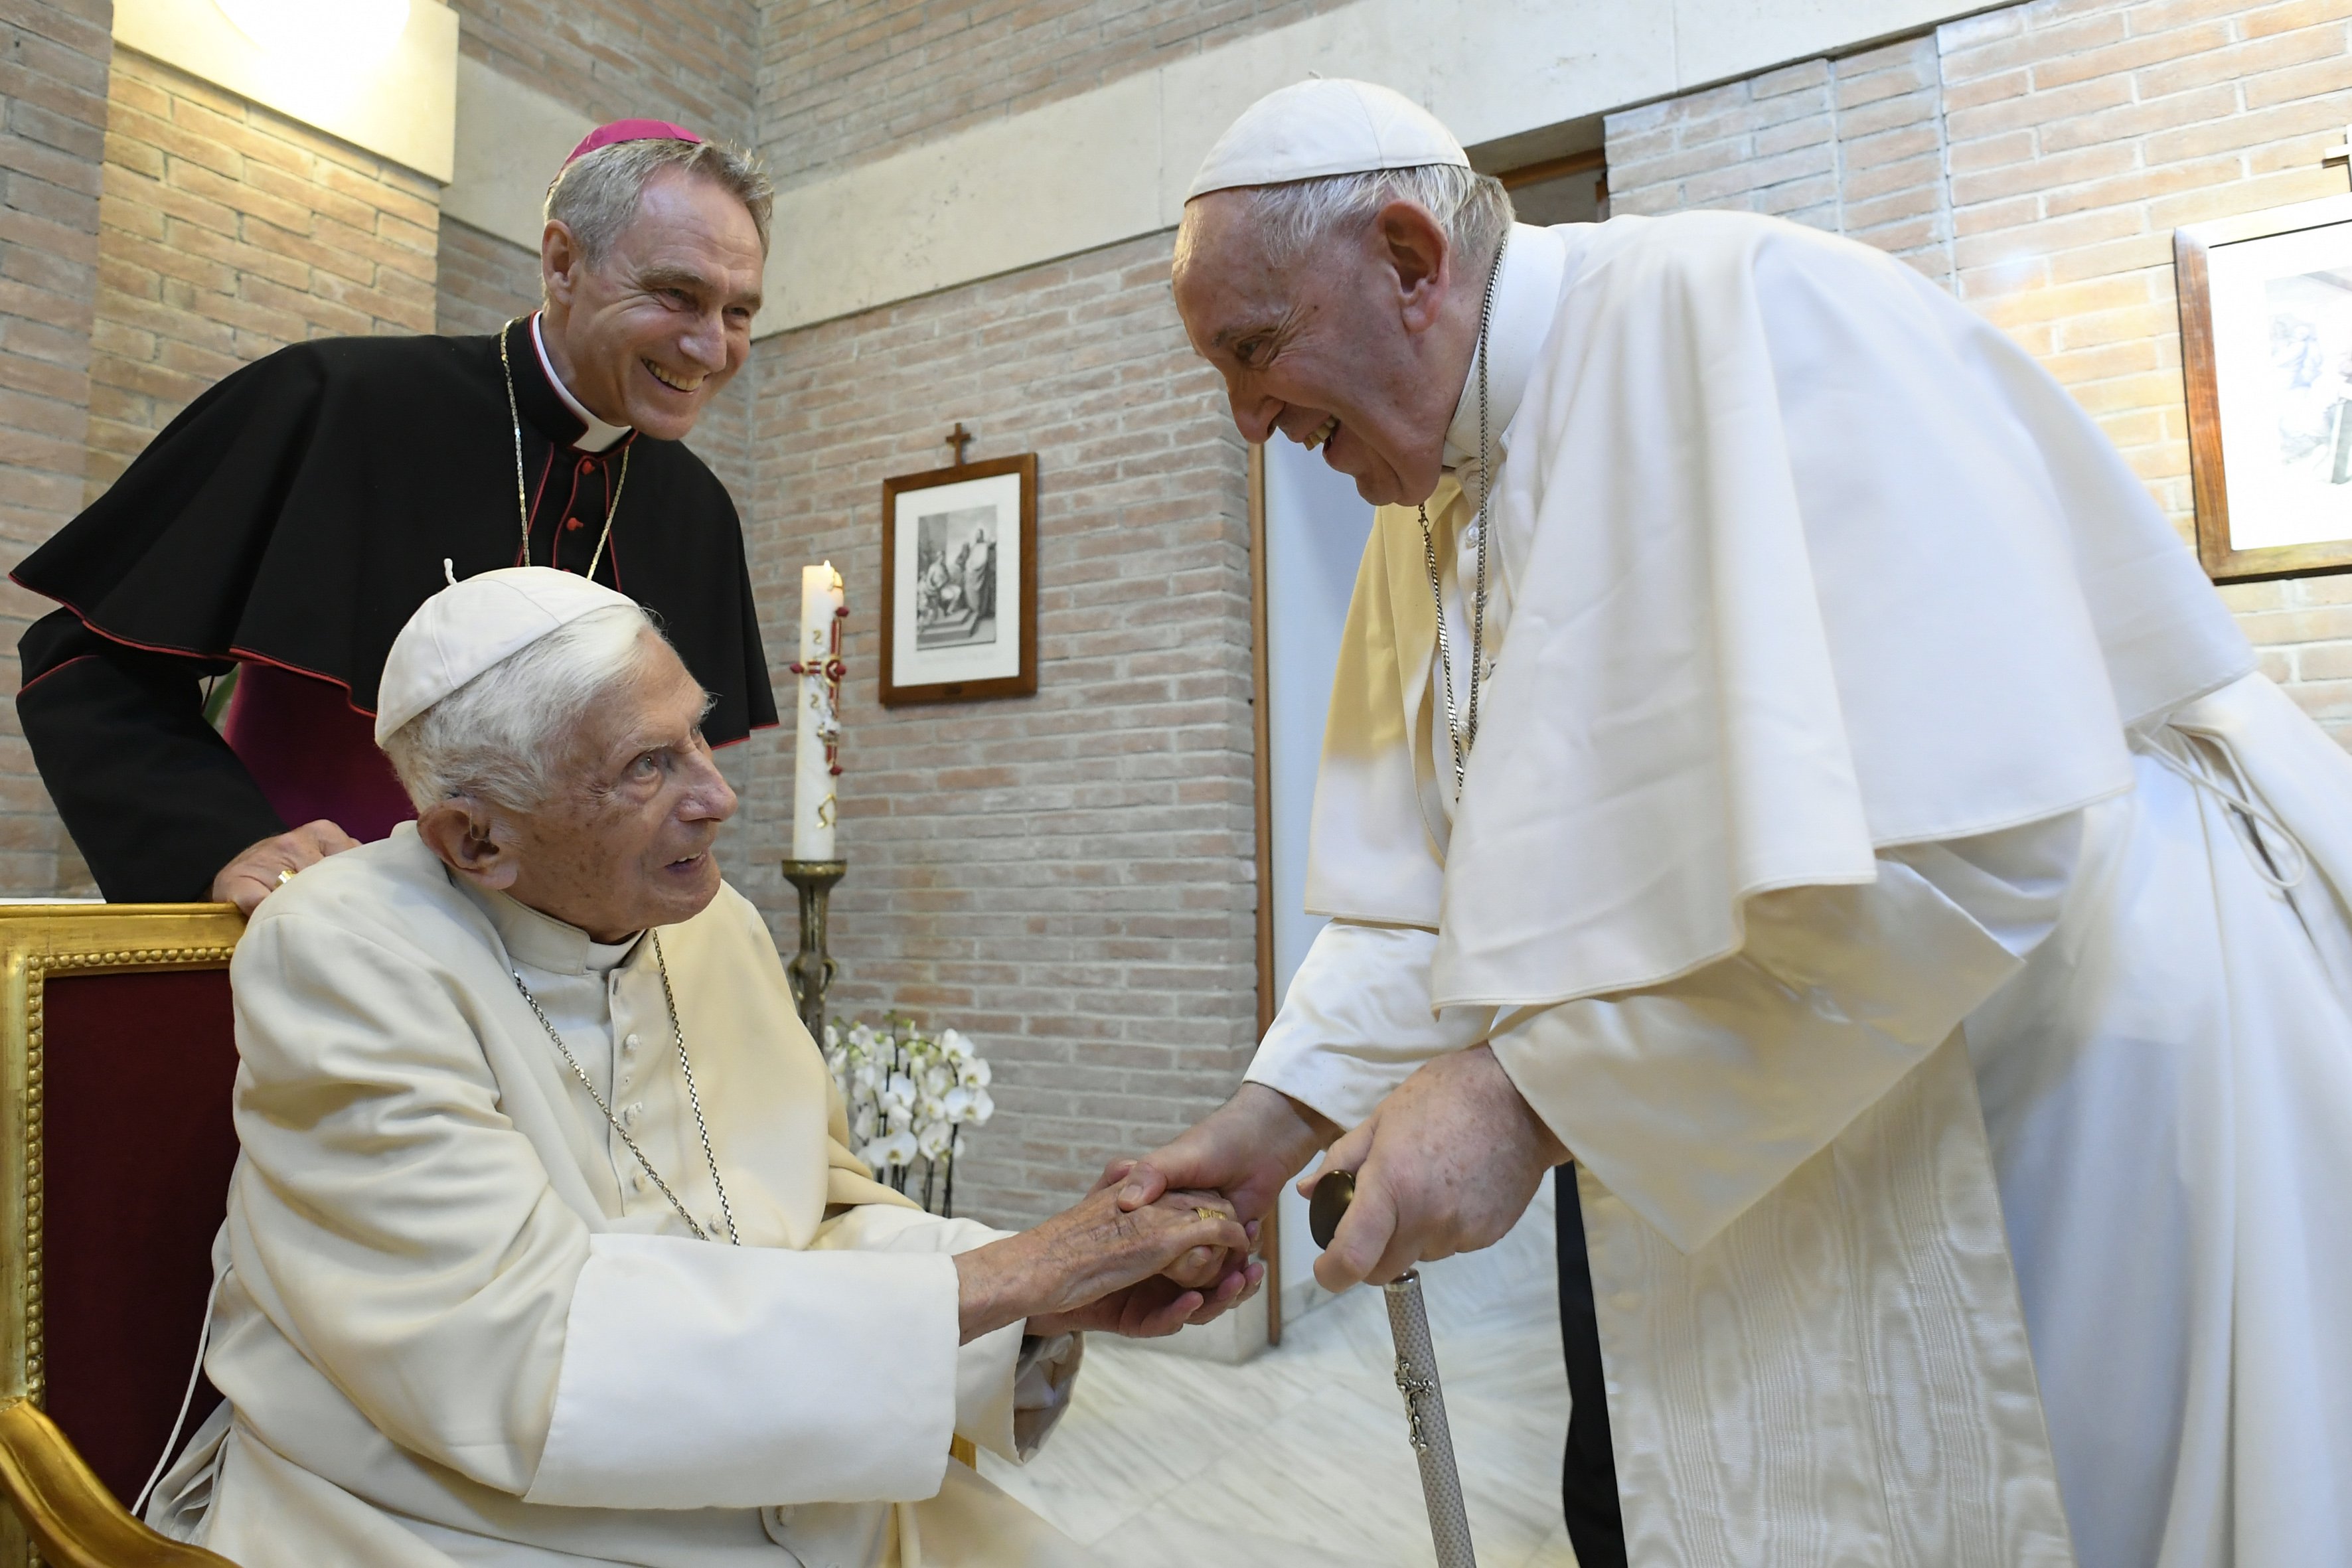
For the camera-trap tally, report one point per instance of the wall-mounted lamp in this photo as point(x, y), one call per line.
point(357, 31)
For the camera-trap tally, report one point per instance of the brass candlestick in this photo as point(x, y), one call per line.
point(810, 970)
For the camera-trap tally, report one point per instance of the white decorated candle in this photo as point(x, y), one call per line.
point(814, 805)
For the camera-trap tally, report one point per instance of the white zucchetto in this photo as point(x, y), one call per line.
point(468, 626)
point(1314, 129)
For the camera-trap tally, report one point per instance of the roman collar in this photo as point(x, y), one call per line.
point(1527, 296)
point(545, 403)
point(541, 940)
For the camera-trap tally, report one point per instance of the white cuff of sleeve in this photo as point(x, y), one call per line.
point(698, 1375)
point(1041, 1390)
point(986, 1370)
point(1012, 1387)
point(1357, 1021)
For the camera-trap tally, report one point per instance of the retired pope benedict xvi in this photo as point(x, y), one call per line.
point(543, 1245)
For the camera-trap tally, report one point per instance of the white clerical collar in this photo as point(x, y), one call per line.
point(1527, 296)
point(540, 941)
point(599, 436)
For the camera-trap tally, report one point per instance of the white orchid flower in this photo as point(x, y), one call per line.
point(983, 1107)
point(898, 1148)
point(977, 1073)
point(932, 1142)
point(956, 1046)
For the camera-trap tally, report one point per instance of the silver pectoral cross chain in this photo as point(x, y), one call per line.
point(1461, 729)
point(693, 1097)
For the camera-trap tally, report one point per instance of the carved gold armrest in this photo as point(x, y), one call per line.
point(68, 1510)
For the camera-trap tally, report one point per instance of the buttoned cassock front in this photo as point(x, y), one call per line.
point(450, 1326)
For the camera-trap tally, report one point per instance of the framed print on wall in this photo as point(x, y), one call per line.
point(960, 583)
point(2266, 354)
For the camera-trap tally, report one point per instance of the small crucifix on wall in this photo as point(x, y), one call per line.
point(2336, 155)
point(959, 438)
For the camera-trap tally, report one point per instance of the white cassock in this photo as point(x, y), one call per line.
point(1881, 869)
point(455, 1325)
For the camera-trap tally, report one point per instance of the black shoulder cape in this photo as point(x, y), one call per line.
point(297, 514)
point(300, 510)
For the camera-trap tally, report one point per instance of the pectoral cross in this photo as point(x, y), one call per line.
point(2342, 154)
point(960, 438)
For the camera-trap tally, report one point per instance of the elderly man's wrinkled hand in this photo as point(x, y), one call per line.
point(1062, 1274)
point(1444, 1164)
point(259, 871)
point(1158, 1306)
point(1245, 1150)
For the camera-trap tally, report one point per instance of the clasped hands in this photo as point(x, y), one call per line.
point(1141, 1270)
point(1446, 1164)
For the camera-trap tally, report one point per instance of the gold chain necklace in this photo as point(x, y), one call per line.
point(522, 504)
point(693, 1097)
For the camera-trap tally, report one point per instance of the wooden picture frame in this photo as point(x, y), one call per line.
point(2266, 359)
point(957, 629)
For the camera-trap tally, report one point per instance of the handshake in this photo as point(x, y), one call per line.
point(1142, 1272)
point(1445, 1164)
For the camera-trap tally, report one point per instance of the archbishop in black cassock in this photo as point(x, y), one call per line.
point(289, 523)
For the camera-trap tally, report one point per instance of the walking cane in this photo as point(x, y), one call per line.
point(1416, 1379)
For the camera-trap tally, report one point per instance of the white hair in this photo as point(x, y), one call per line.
point(501, 737)
point(1294, 218)
point(597, 193)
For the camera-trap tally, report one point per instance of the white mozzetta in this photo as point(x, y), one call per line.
point(401, 104)
point(1112, 164)
point(511, 138)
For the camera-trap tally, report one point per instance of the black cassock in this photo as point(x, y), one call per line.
point(287, 523)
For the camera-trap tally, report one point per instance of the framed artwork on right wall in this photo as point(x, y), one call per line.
point(2266, 354)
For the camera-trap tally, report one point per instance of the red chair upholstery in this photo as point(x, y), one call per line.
point(117, 1060)
point(137, 1153)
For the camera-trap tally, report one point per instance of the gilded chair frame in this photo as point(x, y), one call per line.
point(37, 940)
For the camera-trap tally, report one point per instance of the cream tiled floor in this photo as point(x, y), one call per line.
point(1299, 1459)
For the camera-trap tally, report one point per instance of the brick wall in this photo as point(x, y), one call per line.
point(687, 61)
point(228, 231)
point(1852, 145)
point(1069, 876)
point(484, 280)
point(841, 81)
point(2036, 159)
point(53, 67)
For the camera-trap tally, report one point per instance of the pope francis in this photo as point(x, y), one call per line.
point(543, 1245)
point(1780, 758)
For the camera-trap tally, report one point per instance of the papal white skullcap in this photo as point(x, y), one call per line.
point(1313, 129)
point(468, 626)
